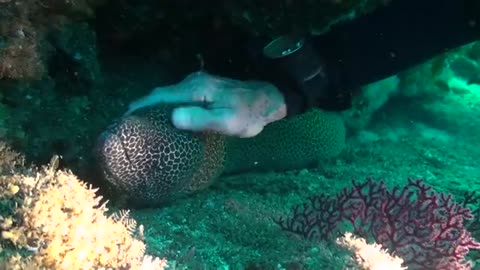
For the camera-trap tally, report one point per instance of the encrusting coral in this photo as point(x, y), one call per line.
point(63, 224)
point(370, 256)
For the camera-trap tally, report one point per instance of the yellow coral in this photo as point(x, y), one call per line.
point(64, 223)
point(371, 256)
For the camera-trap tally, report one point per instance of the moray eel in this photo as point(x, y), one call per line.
point(150, 162)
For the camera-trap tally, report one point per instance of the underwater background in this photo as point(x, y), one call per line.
point(69, 69)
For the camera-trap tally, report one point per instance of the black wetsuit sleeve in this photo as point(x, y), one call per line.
point(372, 47)
point(398, 36)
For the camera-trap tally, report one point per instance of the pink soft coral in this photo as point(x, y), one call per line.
point(423, 227)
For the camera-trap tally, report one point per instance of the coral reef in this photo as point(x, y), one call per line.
point(24, 49)
point(441, 90)
point(425, 228)
point(22, 54)
point(370, 256)
point(279, 17)
point(55, 54)
point(58, 222)
point(48, 66)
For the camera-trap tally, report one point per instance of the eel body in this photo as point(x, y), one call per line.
point(151, 162)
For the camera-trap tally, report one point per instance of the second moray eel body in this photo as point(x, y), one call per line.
point(152, 162)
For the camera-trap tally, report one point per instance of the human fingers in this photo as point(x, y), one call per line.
point(196, 88)
point(197, 118)
point(164, 94)
point(221, 120)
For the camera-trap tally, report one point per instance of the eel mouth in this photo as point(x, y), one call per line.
point(109, 143)
point(110, 149)
point(106, 141)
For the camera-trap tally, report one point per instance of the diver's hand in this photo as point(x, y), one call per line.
point(212, 103)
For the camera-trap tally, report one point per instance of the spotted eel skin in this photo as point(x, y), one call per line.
point(150, 162)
